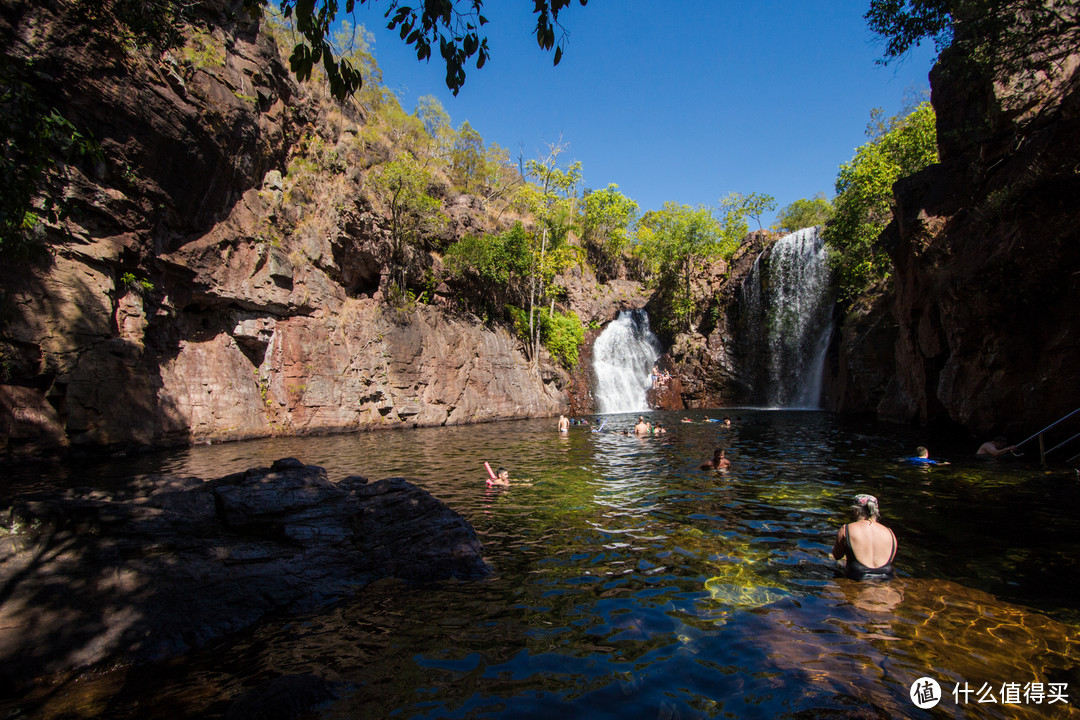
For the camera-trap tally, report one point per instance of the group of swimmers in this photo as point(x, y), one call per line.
point(866, 546)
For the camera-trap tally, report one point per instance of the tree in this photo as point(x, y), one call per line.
point(863, 204)
point(552, 200)
point(495, 266)
point(678, 240)
point(1025, 40)
point(467, 158)
point(436, 122)
point(402, 183)
point(606, 218)
point(451, 25)
point(744, 206)
point(804, 213)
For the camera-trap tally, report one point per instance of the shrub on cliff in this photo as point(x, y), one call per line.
point(864, 199)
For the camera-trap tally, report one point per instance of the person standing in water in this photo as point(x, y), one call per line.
point(719, 462)
point(564, 424)
point(867, 547)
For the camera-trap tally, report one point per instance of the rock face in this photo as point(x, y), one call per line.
point(709, 367)
point(222, 271)
point(986, 248)
point(169, 564)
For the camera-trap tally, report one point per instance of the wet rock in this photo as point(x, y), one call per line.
point(168, 564)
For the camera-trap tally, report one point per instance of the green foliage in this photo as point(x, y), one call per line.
point(736, 207)
point(552, 200)
point(494, 261)
point(402, 183)
point(441, 23)
point(863, 204)
point(804, 213)
point(139, 285)
point(561, 333)
point(467, 158)
point(203, 51)
point(606, 218)
point(905, 23)
point(675, 242)
point(38, 143)
point(1019, 41)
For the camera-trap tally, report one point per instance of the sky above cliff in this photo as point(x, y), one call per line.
point(683, 101)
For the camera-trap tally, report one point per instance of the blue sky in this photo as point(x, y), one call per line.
point(684, 101)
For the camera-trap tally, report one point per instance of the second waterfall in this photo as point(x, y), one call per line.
point(787, 310)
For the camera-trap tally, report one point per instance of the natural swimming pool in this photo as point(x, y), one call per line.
point(629, 584)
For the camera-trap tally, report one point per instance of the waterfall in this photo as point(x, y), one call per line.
point(623, 358)
point(788, 315)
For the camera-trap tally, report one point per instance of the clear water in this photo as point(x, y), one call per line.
point(630, 584)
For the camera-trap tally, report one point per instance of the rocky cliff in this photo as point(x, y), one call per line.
point(222, 270)
point(986, 247)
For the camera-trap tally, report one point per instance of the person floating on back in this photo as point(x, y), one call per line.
point(867, 547)
point(922, 457)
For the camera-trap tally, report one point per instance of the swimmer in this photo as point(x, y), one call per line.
point(499, 479)
point(922, 457)
point(686, 420)
point(995, 447)
point(719, 462)
point(564, 424)
point(867, 546)
point(642, 427)
point(727, 421)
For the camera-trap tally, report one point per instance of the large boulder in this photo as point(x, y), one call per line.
point(168, 564)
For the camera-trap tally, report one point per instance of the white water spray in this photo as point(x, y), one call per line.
point(790, 300)
point(623, 358)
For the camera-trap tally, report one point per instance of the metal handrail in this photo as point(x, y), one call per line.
point(1077, 435)
point(1058, 422)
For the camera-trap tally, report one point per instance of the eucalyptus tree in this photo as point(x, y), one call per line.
point(606, 218)
point(402, 184)
point(676, 241)
point(551, 198)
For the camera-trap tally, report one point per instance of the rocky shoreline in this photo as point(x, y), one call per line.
point(168, 564)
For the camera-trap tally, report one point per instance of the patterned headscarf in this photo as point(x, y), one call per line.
point(867, 503)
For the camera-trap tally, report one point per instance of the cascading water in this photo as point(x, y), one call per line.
point(788, 314)
point(623, 358)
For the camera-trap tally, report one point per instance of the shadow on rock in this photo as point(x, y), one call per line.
point(169, 564)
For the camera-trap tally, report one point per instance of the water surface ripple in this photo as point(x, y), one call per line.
point(628, 583)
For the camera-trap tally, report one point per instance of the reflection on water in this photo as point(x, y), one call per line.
point(629, 583)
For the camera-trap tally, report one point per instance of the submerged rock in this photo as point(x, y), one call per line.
point(168, 564)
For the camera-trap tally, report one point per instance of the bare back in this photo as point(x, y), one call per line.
point(872, 543)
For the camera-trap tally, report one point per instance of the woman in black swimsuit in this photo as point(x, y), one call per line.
point(868, 546)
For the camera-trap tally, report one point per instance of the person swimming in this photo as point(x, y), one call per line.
point(867, 547)
point(922, 457)
point(497, 479)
